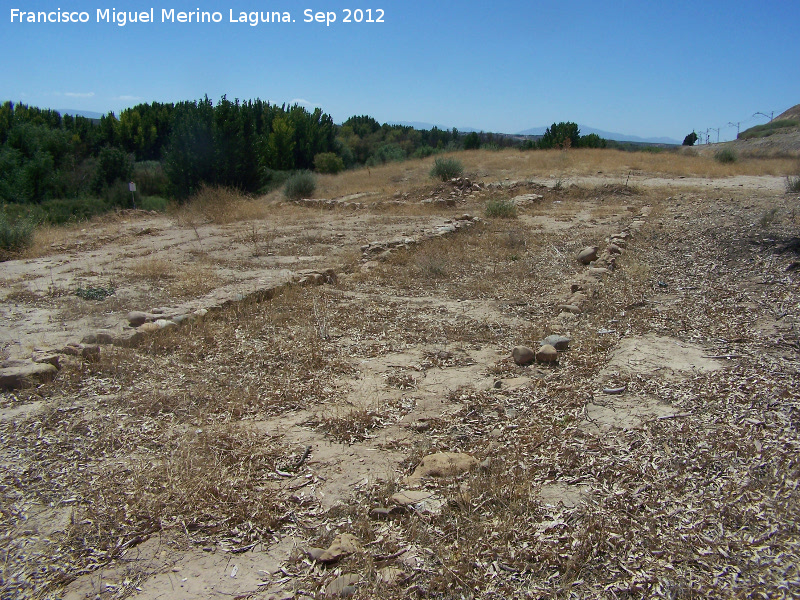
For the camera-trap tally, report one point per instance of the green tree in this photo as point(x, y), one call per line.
point(690, 140)
point(280, 145)
point(561, 135)
point(472, 141)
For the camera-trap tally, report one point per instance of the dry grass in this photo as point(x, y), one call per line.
point(179, 281)
point(220, 205)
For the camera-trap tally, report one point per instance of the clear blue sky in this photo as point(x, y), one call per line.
point(642, 68)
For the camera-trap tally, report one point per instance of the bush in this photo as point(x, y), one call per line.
point(446, 168)
point(66, 210)
point(156, 203)
point(386, 154)
point(502, 209)
point(423, 152)
point(328, 162)
point(16, 235)
point(150, 178)
point(792, 183)
point(113, 165)
point(300, 185)
point(726, 155)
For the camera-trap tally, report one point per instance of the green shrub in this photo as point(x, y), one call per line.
point(113, 164)
point(726, 155)
point(15, 235)
point(423, 152)
point(792, 183)
point(156, 203)
point(150, 178)
point(386, 154)
point(503, 209)
point(328, 162)
point(446, 168)
point(300, 185)
point(66, 210)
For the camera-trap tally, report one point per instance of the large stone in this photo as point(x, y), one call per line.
point(19, 374)
point(523, 355)
point(559, 342)
point(588, 254)
point(342, 545)
point(443, 464)
point(136, 318)
point(343, 586)
point(547, 353)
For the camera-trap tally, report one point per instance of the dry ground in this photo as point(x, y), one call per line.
point(205, 461)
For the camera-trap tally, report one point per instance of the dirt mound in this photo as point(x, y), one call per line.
point(792, 113)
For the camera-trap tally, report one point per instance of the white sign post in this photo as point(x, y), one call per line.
point(132, 188)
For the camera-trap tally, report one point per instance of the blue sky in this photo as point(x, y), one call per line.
point(643, 68)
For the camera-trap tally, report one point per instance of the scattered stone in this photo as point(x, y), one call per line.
point(381, 512)
point(391, 575)
point(148, 328)
point(136, 318)
point(443, 464)
point(613, 249)
point(39, 356)
point(526, 199)
point(165, 323)
point(588, 254)
point(559, 342)
point(571, 308)
point(343, 586)
point(523, 355)
point(547, 353)
point(598, 271)
point(410, 497)
point(88, 351)
point(20, 374)
point(343, 545)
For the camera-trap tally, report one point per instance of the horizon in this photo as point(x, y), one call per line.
point(645, 71)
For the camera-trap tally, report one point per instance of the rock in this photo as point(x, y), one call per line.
point(588, 254)
point(523, 355)
point(136, 318)
point(19, 374)
point(613, 249)
point(343, 586)
point(391, 575)
point(39, 356)
point(148, 328)
point(559, 342)
point(379, 512)
point(88, 351)
point(165, 323)
point(410, 497)
point(443, 464)
point(576, 310)
point(342, 545)
point(547, 353)
point(598, 271)
point(577, 299)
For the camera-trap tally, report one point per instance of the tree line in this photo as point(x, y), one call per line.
point(171, 149)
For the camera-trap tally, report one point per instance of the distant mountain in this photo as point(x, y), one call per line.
point(609, 135)
point(79, 113)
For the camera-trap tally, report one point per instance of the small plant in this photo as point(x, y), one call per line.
point(95, 293)
point(446, 168)
point(769, 217)
point(502, 209)
point(725, 156)
point(300, 185)
point(15, 236)
point(792, 184)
